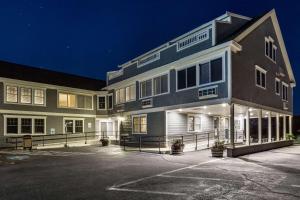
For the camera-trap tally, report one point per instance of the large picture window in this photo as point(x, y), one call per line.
point(211, 71)
point(66, 100)
point(24, 125)
point(146, 88)
point(139, 124)
point(126, 94)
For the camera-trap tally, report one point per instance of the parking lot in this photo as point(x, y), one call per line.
point(110, 173)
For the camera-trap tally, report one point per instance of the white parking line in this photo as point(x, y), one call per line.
point(199, 178)
point(118, 187)
point(297, 186)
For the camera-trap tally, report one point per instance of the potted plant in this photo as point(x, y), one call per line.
point(177, 147)
point(104, 141)
point(217, 149)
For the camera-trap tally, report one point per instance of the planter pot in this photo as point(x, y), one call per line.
point(217, 153)
point(104, 142)
point(175, 150)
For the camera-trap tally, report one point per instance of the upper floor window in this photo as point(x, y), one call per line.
point(270, 48)
point(284, 91)
point(277, 86)
point(126, 94)
point(211, 71)
point(25, 95)
point(67, 100)
point(260, 76)
point(110, 102)
point(186, 78)
point(101, 102)
point(154, 86)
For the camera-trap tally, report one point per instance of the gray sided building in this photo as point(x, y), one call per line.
point(230, 77)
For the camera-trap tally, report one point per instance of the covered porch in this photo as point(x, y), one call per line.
point(237, 125)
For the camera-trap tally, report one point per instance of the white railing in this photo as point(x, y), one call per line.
point(114, 74)
point(192, 40)
point(148, 59)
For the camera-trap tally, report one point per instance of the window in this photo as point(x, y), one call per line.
point(211, 71)
point(26, 95)
point(101, 102)
point(39, 125)
point(130, 93)
point(12, 94)
point(38, 97)
point(260, 75)
point(139, 124)
point(209, 92)
point(120, 96)
point(277, 86)
point(12, 125)
point(66, 100)
point(192, 40)
point(74, 126)
point(284, 91)
point(161, 84)
point(110, 102)
point(146, 88)
point(24, 125)
point(270, 48)
point(194, 123)
point(186, 78)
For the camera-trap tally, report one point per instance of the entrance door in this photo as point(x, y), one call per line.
point(103, 129)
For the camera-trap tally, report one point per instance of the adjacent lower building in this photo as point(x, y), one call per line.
point(230, 77)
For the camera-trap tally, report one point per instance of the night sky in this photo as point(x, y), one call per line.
point(91, 37)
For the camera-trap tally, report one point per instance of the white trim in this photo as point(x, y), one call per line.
point(287, 89)
point(211, 95)
point(104, 102)
point(8, 111)
point(229, 71)
point(112, 103)
point(19, 117)
point(157, 54)
point(73, 119)
point(132, 124)
point(274, 19)
point(262, 71)
point(204, 33)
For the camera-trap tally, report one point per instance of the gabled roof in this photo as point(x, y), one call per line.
point(39, 75)
point(253, 24)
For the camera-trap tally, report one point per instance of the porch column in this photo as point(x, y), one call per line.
point(290, 123)
point(232, 125)
point(284, 127)
point(269, 127)
point(248, 127)
point(277, 127)
point(259, 125)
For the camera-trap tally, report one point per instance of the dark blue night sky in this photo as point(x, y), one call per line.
point(92, 37)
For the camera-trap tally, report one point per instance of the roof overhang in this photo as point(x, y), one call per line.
point(272, 15)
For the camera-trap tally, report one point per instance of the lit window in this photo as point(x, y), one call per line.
point(130, 93)
point(140, 124)
point(12, 94)
point(63, 100)
point(26, 95)
point(146, 88)
point(161, 84)
point(39, 97)
point(260, 75)
point(71, 100)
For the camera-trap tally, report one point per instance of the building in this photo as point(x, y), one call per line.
point(230, 77)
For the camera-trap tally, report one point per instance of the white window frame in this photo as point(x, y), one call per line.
point(31, 95)
point(261, 70)
point(19, 117)
point(19, 86)
point(195, 129)
point(185, 68)
point(76, 101)
point(152, 86)
point(130, 87)
point(73, 119)
point(277, 80)
point(287, 89)
point(112, 103)
point(270, 40)
point(105, 107)
point(132, 128)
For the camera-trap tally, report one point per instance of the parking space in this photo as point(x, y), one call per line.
point(110, 173)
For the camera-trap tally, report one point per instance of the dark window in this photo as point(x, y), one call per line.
point(258, 82)
point(164, 83)
point(270, 49)
point(110, 101)
point(39, 125)
point(148, 88)
point(260, 78)
point(78, 126)
point(12, 125)
point(204, 73)
point(101, 102)
point(277, 90)
point(267, 48)
point(263, 80)
point(284, 92)
point(26, 125)
point(69, 126)
point(181, 79)
point(216, 70)
point(191, 76)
